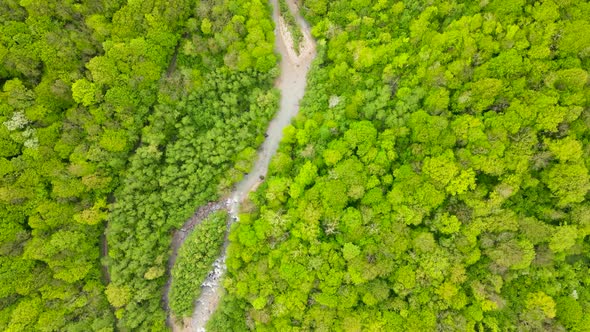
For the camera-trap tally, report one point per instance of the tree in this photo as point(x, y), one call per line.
point(541, 301)
point(446, 223)
point(574, 38)
point(568, 149)
point(563, 238)
point(568, 182)
point(206, 26)
point(118, 296)
point(441, 169)
point(350, 251)
point(85, 92)
point(569, 312)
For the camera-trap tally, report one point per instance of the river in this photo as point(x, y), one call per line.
point(291, 83)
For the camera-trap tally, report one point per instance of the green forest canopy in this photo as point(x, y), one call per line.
point(435, 179)
point(127, 112)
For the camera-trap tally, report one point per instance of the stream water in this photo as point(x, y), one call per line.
point(291, 83)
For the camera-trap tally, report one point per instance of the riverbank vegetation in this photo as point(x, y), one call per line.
point(212, 113)
point(291, 23)
point(435, 179)
point(195, 259)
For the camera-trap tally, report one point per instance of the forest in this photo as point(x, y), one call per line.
point(435, 179)
point(119, 117)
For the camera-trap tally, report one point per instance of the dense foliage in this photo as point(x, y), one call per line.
point(57, 163)
point(211, 114)
point(194, 261)
point(436, 178)
point(184, 87)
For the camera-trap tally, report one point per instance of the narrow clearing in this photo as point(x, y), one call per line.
point(291, 83)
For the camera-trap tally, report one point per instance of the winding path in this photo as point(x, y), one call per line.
point(291, 83)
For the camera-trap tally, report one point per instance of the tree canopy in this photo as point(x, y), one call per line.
point(436, 177)
point(124, 114)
